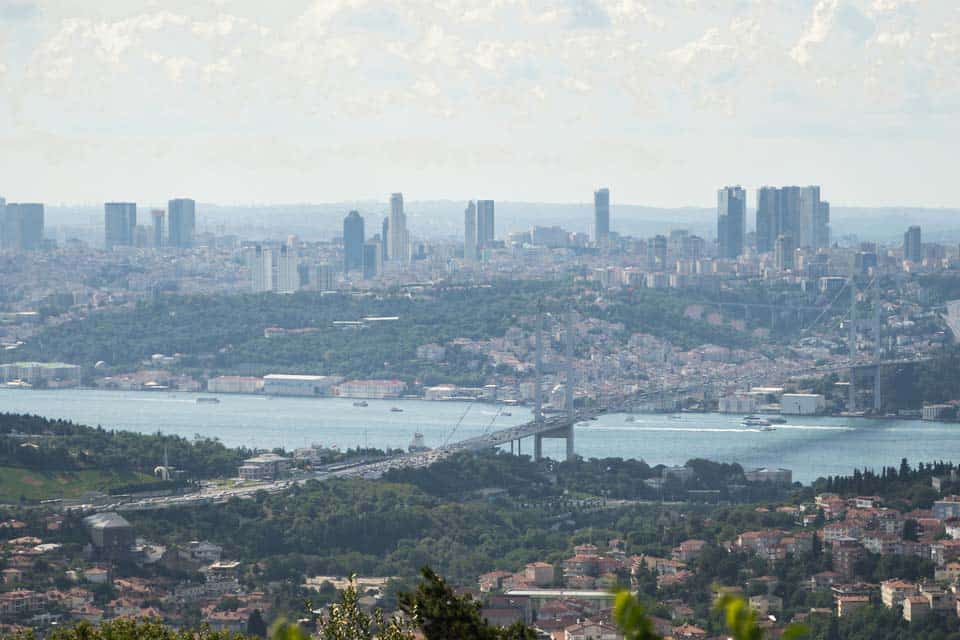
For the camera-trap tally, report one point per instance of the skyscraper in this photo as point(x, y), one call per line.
point(657, 252)
point(384, 237)
point(731, 217)
point(601, 216)
point(795, 211)
point(399, 239)
point(912, 246)
point(181, 214)
point(22, 226)
point(158, 224)
point(288, 276)
point(353, 238)
point(768, 218)
point(783, 252)
point(470, 232)
point(120, 219)
point(371, 260)
point(485, 223)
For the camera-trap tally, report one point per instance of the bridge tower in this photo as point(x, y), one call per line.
point(877, 355)
point(565, 431)
point(852, 343)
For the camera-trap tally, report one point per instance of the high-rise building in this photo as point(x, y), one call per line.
point(288, 276)
point(912, 246)
point(384, 237)
point(795, 211)
point(470, 232)
point(485, 224)
point(181, 220)
point(371, 260)
point(769, 217)
point(399, 238)
point(260, 263)
point(783, 252)
point(731, 219)
point(353, 237)
point(21, 226)
point(601, 216)
point(158, 216)
point(657, 252)
point(120, 220)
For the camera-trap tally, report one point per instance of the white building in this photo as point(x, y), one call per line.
point(739, 402)
point(286, 384)
point(372, 389)
point(802, 404)
point(235, 384)
point(265, 467)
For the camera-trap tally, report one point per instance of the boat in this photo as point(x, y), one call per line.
point(676, 416)
point(360, 403)
point(753, 421)
point(506, 413)
point(396, 409)
point(208, 400)
point(417, 444)
point(776, 420)
point(767, 428)
point(630, 419)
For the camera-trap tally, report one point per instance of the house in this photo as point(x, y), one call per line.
point(592, 631)
point(688, 550)
point(539, 574)
point(847, 605)
point(894, 592)
point(915, 608)
point(766, 604)
point(110, 534)
point(21, 601)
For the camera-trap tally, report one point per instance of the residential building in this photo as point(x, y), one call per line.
point(848, 604)
point(592, 631)
point(120, 220)
point(182, 220)
point(731, 221)
point(353, 238)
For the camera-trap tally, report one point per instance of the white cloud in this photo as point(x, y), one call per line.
point(818, 28)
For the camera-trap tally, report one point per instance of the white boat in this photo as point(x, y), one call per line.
point(767, 428)
point(753, 421)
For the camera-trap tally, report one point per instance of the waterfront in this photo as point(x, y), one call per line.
point(811, 447)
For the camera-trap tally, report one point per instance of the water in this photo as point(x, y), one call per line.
point(811, 447)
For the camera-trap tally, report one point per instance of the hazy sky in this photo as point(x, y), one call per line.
point(663, 101)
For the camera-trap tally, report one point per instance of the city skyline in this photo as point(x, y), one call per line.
point(569, 95)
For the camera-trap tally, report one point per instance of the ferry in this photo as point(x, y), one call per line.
point(360, 403)
point(208, 400)
point(754, 421)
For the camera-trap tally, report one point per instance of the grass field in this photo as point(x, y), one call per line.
point(39, 485)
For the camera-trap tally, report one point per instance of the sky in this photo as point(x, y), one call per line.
point(663, 101)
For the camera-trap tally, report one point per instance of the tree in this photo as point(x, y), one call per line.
point(255, 625)
point(441, 614)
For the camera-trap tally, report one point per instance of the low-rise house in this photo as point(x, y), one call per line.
point(592, 631)
point(766, 604)
point(847, 605)
point(688, 550)
point(894, 592)
point(21, 601)
point(915, 608)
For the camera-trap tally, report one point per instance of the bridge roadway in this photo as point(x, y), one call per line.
point(552, 425)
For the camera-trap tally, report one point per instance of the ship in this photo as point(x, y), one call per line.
point(207, 400)
point(396, 409)
point(360, 403)
point(417, 444)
